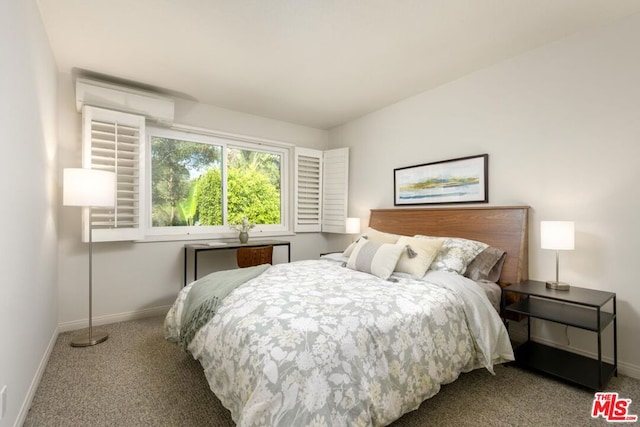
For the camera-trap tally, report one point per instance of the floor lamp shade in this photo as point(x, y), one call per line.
point(559, 236)
point(88, 187)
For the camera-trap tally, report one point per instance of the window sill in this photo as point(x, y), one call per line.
point(216, 236)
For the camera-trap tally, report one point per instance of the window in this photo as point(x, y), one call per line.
point(186, 181)
point(254, 186)
point(201, 184)
point(186, 184)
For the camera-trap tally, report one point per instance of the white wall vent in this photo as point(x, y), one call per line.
point(154, 107)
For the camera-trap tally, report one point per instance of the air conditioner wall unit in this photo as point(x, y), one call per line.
point(153, 106)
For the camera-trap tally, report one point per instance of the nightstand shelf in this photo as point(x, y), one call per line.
point(563, 364)
point(578, 307)
point(572, 315)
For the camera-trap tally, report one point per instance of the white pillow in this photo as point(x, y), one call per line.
point(373, 235)
point(375, 258)
point(424, 251)
point(455, 254)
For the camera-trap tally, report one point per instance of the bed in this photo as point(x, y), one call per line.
point(316, 343)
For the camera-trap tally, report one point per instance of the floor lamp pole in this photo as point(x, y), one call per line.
point(91, 277)
point(88, 339)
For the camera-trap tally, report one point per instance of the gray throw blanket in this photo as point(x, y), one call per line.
point(205, 295)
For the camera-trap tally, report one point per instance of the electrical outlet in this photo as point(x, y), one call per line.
point(3, 401)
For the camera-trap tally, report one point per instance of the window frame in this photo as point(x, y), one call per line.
point(226, 142)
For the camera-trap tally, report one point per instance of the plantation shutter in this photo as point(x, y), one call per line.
point(114, 141)
point(335, 184)
point(308, 190)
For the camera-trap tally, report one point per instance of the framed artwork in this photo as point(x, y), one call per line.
point(463, 180)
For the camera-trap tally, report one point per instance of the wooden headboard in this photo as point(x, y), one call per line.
point(503, 227)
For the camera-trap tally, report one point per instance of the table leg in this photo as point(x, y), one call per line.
point(599, 350)
point(185, 267)
point(615, 337)
point(195, 265)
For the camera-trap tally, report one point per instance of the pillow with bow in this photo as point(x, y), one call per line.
point(418, 254)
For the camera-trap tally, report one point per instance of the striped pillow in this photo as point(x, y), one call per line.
point(373, 235)
point(375, 258)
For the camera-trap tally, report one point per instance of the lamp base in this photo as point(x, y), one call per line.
point(558, 286)
point(82, 340)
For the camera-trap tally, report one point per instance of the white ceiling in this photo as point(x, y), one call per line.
point(318, 63)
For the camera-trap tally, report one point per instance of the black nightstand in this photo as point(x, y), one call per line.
point(578, 307)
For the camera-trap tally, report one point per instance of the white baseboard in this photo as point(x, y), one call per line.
point(624, 368)
point(113, 318)
point(26, 404)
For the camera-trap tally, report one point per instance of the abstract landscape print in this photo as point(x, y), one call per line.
point(462, 180)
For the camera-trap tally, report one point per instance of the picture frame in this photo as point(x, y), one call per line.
point(461, 180)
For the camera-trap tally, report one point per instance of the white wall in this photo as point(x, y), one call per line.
point(135, 279)
point(28, 292)
point(561, 125)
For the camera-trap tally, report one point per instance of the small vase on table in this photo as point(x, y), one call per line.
point(244, 237)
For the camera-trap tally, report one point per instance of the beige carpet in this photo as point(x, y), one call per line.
point(136, 378)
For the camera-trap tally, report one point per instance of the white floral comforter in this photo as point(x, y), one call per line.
point(312, 343)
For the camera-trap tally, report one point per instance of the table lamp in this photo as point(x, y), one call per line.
point(352, 226)
point(560, 236)
point(89, 188)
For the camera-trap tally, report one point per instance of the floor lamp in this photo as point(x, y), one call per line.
point(89, 188)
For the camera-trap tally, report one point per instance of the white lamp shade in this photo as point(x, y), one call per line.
point(558, 235)
point(352, 226)
point(88, 187)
